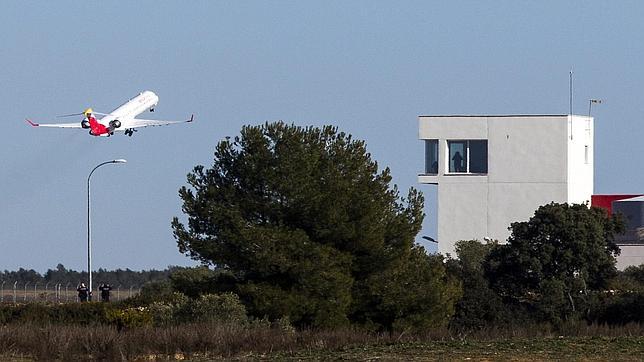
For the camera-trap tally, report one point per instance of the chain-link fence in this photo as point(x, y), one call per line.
point(15, 292)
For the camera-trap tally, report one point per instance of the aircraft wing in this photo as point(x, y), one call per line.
point(57, 125)
point(139, 123)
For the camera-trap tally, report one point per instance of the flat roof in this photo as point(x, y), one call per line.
point(499, 115)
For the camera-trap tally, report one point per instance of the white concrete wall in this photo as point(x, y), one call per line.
point(527, 150)
point(531, 162)
point(461, 213)
point(630, 255)
point(512, 202)
point(580, 165)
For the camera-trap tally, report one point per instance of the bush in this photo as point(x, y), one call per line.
point(173, 309)
point(170, 310)
point(42, 314)
point(130, 317)
point(209, 308)
point(619, 309)
point(416, 295)
point(225, 307)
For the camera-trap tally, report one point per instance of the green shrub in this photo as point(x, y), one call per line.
point(170, 310)
point(284, 325)
point(225, 307)
point(41, 313)
point(173, 309)
point(130, 317)
point(208, 308)
point(620, 308)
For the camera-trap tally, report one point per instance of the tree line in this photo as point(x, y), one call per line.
point(60, 274)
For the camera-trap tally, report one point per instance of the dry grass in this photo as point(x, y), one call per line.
point(202, 341)
point(103, 342)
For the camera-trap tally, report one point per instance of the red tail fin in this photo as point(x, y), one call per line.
point(31, 123)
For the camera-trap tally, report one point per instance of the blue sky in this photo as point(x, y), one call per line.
point(369, 67)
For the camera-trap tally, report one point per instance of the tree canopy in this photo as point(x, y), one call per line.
point(554, 259)
point(305, 224)
point(480, 306)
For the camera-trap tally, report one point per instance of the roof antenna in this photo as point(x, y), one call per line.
point(570, 98)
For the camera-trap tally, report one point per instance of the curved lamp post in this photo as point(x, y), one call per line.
point(89, 223)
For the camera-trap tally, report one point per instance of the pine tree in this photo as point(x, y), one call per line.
point(301, 220)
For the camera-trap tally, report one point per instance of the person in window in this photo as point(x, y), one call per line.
point(434, 168)
point(82, 292)
point(458, 162)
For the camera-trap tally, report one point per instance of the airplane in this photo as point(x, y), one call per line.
point(122, 118)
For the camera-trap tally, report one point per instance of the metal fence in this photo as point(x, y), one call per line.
point(14, 292)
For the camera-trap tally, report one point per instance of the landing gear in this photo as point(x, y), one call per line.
point(129, 132)
point(152, 109)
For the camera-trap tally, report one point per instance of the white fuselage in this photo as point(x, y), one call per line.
point(132, 108)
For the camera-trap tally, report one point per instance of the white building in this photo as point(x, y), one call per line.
point(495, 170)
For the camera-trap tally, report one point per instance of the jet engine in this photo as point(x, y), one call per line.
point(115, 123)
point(85, 124)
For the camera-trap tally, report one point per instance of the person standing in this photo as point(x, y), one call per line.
point(83, 292)
point(458, 162)
point(105, 292)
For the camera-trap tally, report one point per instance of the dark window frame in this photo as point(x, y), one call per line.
point(431, 163)
point(476, 164)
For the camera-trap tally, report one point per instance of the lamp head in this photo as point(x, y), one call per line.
point(120, 160)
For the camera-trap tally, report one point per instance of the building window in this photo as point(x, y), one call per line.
point(478, 156)
point(431, 157)
point(468, 156)
point(457, 156)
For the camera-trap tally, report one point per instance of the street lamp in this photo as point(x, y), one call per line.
point(89, 223)
point(428, 238)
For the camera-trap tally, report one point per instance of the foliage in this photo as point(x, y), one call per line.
point(304, 223)
point(129, 317)
point(168, 310)
point(480, 306)
point(153, 291)
point(172, 309)
point(629, 280)
point(636, 273)
point(619, 308)
point(193, 281)
point(70, 313)
point(415, 295)
point(220, 308)
point(623, 303)
point(553, 261)
point(208, 308)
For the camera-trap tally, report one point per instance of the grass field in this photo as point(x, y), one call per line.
point(564, 348)
point(561, 349)
point(203, 342)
